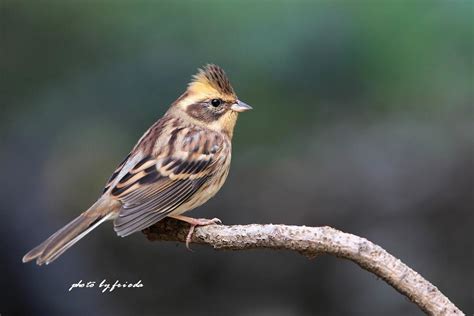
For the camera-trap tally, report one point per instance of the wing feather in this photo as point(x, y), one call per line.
point(155, 187)
point(141, 220)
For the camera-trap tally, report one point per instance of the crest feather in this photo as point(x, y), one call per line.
point(212, 76)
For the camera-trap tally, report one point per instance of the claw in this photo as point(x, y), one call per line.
point(217, 221)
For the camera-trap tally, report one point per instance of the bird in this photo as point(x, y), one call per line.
point(178, 164)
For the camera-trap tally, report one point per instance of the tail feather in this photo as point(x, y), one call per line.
point(36, 252)
point(63, 239)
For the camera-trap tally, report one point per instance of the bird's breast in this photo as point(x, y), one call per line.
point(211, 187)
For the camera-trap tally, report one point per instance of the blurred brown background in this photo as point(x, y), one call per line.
point(362, 120)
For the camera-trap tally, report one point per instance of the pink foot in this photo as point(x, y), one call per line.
point(199, 222)
point(195, 222)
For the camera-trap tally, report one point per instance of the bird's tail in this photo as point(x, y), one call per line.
point(50, 249)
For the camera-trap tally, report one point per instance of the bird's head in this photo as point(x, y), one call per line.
point(210, 101)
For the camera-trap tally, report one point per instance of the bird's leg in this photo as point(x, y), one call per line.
point(195, 222)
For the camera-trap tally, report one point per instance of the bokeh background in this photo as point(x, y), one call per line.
point(362, 120)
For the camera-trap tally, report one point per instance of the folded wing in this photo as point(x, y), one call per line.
point(155, 187)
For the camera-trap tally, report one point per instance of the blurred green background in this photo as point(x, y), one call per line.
point(362, 120)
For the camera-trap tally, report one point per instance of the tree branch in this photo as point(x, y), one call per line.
point(312, 241)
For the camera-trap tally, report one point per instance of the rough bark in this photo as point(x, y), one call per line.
point(310, 242)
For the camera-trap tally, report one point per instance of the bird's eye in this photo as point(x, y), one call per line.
point(216, 102)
